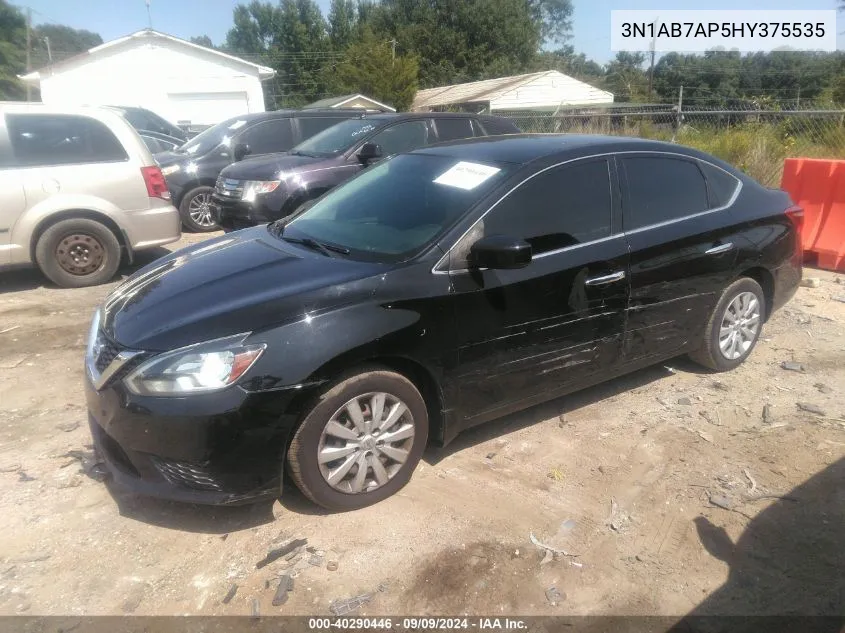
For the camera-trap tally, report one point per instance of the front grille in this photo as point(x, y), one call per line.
point(106, 351)
point(184, 474)
point(229, 188)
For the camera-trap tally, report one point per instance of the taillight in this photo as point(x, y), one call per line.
point(156, 184)
point(796, 215)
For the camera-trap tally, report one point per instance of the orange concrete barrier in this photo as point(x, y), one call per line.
point(818, 186)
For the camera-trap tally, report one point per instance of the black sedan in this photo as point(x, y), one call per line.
point(435, 291)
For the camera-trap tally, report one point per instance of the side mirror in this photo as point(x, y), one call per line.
point(500, 252)
point(369, 152)
point(240, 150)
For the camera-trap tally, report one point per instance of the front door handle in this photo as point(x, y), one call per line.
point(619, 275)
point(721, 248)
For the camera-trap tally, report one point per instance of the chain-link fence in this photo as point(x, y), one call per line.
point(754, 139)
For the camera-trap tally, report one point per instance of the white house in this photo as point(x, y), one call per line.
point(185, 83)
point(536, 92)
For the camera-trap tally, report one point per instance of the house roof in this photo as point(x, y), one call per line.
point(143, 37)
point(475, 91)
point(336, 102)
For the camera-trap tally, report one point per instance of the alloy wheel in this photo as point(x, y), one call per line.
point(200, 210)
point(740, 326)
point(366, 443)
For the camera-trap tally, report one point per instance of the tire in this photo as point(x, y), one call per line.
point(197, 202)
point(737, 298)
point(78, 252)
point(302, 457)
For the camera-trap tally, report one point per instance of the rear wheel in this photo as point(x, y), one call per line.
point(360, 441)
point(734, 326)
point(197, 211)
point(78, 252)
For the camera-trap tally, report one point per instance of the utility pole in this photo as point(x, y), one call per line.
point(28, 54)
point(651, 65)
point(149, 16)
point(49, 51)
point(679, 117)
point(393, 51)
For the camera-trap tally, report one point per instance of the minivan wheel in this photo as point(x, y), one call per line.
point(196, 210)
point(360, 441)
point(78, 252)
point(734, 326)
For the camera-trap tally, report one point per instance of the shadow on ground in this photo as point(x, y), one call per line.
point(789, 561)
point(20, 279)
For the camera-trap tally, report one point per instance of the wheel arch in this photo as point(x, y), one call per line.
point(203, 181)
point(75, 214)
point(767, 282)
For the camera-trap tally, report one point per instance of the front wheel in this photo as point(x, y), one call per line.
point(734, 326)
point(360, 441)
point(197, 211)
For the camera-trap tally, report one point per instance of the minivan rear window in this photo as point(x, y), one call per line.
point(61, 139)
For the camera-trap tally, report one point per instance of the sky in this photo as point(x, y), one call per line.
point(185, 18)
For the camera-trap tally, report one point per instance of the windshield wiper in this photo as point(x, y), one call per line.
point(325, 249)
point(301, 153)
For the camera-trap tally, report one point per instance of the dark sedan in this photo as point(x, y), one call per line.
point(435, 291)
point(261, 190)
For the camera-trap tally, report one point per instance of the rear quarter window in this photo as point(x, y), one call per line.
point(720, 184)
point(61, 139)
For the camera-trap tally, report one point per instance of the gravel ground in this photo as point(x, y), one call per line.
point(670, 491)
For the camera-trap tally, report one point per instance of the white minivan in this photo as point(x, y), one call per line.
point(79, 193)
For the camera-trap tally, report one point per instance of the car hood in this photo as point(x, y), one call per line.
point(240, 282)
point(269, 167)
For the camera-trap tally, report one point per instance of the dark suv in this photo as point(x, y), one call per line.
point(261, 190)
point(192, 169)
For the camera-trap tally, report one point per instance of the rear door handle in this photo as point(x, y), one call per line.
point(619, 275)
point(721, 248)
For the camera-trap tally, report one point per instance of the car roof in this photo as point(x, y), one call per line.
point(525, 148)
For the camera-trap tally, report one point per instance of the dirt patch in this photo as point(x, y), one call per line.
point(623, 474)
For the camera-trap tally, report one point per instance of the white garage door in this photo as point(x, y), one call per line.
point(207, 108)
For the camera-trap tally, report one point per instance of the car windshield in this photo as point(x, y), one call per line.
point(393, 210)
point(337, 138)
point(219, 134)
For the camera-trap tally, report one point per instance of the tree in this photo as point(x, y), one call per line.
point(341, 24)
point(625, 77)
point(64, 41)
point(554, 18)
point(12, 51)
point(369, 67)
point(202, 40)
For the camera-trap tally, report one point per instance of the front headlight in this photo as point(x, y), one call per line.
point(253, 188)
point(199, 368)
point(170, 169)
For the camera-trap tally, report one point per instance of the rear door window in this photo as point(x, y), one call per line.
point(661, 189)
point(403, 137)
point(61, 139)
point(268, 137)
point(309, 126)
point(453, 129)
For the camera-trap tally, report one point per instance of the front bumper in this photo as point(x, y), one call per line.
point(233, 214)
point(218, 449)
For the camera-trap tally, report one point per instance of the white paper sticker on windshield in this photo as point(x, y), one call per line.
point(466, 175)
point(237, 124)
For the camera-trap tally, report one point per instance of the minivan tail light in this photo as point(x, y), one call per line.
point(156, 184)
